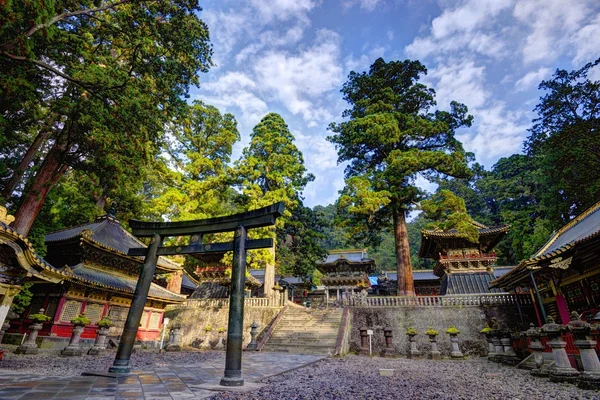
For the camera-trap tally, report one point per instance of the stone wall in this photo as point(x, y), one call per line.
point(193, 321)
point(468, 319)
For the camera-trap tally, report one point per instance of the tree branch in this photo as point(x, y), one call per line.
point(65, 15)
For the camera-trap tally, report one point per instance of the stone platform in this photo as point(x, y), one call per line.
point(188, 381)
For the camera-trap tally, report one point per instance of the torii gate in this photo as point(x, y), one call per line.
point(238, 223)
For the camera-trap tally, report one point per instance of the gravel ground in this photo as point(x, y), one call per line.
point(356, 377)
point(49, 363)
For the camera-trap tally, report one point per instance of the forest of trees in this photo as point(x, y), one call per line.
point(94, 111)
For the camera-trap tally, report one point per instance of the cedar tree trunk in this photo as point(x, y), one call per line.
point(50, 171)
point(17, 175)
point(406, 285)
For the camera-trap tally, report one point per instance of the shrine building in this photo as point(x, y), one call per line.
point(344, 272)
point(463, 266)
point(91, 273)
point(563, 275)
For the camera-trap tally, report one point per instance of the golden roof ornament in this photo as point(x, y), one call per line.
point(5, 218)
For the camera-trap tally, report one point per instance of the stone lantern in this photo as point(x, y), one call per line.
point(536, 346)
point(509, 357)
point(455, 349)
point(581, 330)
point(413, 352)
point(174, 334)
point(434, 353)
point(389, 350)
point(253, 345)
point(74, 347)
point(30, 346)
point(562, 370)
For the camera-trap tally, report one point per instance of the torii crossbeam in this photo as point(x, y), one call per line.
point(239, 223)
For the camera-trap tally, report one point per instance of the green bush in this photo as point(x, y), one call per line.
point(81, 320)
point(452, 330)
point(104, 323)
point(39, 318)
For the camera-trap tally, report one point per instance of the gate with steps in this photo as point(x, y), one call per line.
point(306, 331)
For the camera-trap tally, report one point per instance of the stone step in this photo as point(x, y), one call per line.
point(292, 329)
point(301, 349)
point(297, 343)
point(305, 335)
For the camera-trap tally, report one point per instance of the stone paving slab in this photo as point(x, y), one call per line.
point(192, 381)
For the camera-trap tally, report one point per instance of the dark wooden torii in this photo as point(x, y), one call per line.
point(239, 223)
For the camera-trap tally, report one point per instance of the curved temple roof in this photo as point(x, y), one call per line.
point(579, 230)
point(108, 233)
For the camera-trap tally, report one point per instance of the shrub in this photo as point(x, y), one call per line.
point(411, 331)
point(81, 320)
point(452, 330)
point(431, 331)
point(104, 323)
point(39, 318)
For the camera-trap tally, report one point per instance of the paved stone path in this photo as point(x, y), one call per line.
point(181, 382)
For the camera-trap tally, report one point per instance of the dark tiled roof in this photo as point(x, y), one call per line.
point(580, 228)
point(501, 271)
point(187, 282)
point(419, 275)
point(88, 275)
point(467, 283)
point(108, 232)
point(352, 256)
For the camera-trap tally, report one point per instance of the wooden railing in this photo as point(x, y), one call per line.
point(248, 302)
point(441, 301)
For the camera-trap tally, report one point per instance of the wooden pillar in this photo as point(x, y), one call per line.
point(270, 276)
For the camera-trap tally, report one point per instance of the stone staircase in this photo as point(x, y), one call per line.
point(306, 331)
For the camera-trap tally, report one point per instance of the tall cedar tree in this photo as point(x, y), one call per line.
point(565, 143)
point(391, 137)
point(196, 184)
point(271, 170)
point(105, 76)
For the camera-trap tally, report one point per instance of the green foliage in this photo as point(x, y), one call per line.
point(92, 85)
point(208, 328)
point(448, 211)
point(411, 331)
point(38, 318)
point(452, 330)
point(431, 332)
point(22, 299)
point(486, 330)
point(391, 137)
point(299, 244)
point(271, 170)
point(81, 320)
point(221, 330)
point(105, 322)
point(564, 143)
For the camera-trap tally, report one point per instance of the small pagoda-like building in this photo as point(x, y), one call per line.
point(465, 267)
point(344, 272)
point(214, 278)
point(98, 278)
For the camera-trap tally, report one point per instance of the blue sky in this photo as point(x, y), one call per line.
point(293, 56)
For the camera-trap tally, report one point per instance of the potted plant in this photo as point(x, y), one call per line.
point(455, 349)
point(432, 333)
point(412, 332)
point(434, 353)
point(30, 346)
point(100, 344)
point(74, 347)
point(452, 331)
point(81, 320)
point(220, 344)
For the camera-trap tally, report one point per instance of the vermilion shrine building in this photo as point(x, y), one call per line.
point(99, 278)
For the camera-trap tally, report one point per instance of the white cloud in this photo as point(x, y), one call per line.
point(550, 23)
point(497, 132)
point(459, 81)
point(587, 42)
point(299, 80)
point(283, 10)
point(532, 79)
point(468, 26)
point(368, 5)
